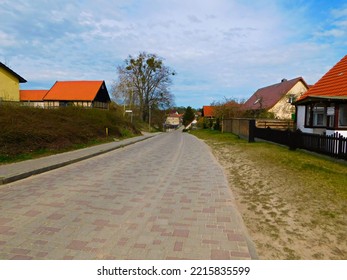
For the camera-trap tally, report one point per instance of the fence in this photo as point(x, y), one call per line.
point(241, 127)
point(275, 124)
point(334, 145)
point(244, 127)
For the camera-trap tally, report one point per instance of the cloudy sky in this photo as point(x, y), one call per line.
point(219, 48)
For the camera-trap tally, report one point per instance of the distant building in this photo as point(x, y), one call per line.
point(277, 98)
point(208, 112)
point(33, 98)
point(9, 84)
point(89, 94)
point(173, 120)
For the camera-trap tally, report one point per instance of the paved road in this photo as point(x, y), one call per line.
point(162, 198)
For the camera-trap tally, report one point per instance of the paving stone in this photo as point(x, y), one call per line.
point(163, 198)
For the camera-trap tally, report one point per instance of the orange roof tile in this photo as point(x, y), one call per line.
point(208, 111)
point(32, 95)
point(332, 84)
point(74, 90)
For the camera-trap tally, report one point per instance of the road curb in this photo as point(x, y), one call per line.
point(17, 177)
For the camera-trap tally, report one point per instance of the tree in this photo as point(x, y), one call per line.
point(188, 116)
point(144, 81)
point(228, 108)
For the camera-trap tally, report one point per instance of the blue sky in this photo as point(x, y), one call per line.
point(219, 48)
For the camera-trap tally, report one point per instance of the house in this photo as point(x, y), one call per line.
point(9, 84)
point(323, 108)
point(90, 94)
point(208, 112)
point(276, 99)
point(33, 98)
point(173, 120)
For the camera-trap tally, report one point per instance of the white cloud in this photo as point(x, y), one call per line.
point(6, 40)
point(222, 46)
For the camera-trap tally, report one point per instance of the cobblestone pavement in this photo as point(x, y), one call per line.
point(163, 198)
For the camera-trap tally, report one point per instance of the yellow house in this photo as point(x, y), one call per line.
point(9, 84)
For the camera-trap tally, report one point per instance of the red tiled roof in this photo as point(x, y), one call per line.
point(174, 115)
point(74, 90)
point(208, 111)
point(332, 84)
point(268, 96)
point(32, 95)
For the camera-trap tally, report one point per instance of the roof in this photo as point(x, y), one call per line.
point(332, 85)
point(20, 79)
point(267, 97)
point(74, 90)
point(175, 115)
point(207, 111)
point(32, 95)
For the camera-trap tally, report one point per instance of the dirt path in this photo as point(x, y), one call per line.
point(284, 220)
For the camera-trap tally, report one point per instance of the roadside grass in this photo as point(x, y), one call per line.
point(293, 202)
point(324, 175)
point(27, 133)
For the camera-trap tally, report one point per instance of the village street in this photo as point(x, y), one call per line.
point(162, 198)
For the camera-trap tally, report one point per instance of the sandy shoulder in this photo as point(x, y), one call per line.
point(280, 219)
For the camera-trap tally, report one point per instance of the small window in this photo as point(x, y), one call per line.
point(319, 115)
point(343, 115)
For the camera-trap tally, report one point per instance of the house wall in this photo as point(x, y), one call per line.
point(9, 86)
point(283, 109)
point(300, 118)
point(51, 104)
point(300, 122)
point(342, 132)
point(173, 120)
point(38, 104)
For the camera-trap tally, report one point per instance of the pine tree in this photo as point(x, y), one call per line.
point(188, 116)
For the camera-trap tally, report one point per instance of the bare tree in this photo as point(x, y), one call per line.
point(144, 81)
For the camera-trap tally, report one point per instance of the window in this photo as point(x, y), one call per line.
point(316, 116)
point(343, 115)
point(319, 115)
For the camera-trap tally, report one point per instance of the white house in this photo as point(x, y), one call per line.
point(323, 108)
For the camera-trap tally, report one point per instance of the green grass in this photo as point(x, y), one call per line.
point(27, 133)
point(314, 170)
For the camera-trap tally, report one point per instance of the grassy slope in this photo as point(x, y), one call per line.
point(294, 201)
point(26, 131)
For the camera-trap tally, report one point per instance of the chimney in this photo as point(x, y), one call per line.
point(284, 80)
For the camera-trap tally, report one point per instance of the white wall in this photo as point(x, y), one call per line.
point(342, 132)
point(300, 124)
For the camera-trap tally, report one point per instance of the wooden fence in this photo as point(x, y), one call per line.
point(334, 145)
point(275, 124)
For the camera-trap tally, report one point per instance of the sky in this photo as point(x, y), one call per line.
point(220, 49)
